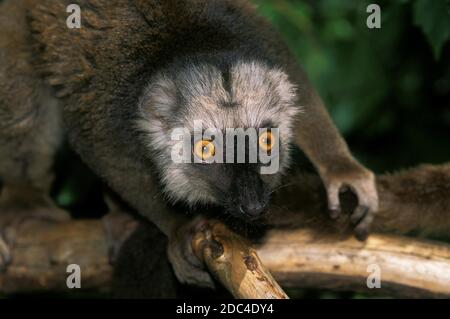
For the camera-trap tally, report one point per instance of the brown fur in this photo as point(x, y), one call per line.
point(87, 67)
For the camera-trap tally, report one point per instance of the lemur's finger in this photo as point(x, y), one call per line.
point(363, 228)
point(367, 194)
point(334, 206)
point(359, 213)
point(186, 265)
point(364, 214)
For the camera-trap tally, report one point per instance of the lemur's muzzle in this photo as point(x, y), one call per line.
point(250, 195)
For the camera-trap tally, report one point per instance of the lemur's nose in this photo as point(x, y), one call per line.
point(253, 210)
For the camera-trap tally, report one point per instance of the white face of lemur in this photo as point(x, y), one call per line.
point(255, 102)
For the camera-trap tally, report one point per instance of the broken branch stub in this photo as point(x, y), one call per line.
point(235, 263)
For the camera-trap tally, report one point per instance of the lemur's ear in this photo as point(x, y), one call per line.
point(258, 79)
point(159, 99)
point(286, 90)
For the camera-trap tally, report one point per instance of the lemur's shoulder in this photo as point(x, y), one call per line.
point(73, 59)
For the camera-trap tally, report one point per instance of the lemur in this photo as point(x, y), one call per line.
point(117, 87)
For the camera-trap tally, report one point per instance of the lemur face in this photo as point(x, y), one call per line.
point(220, 138)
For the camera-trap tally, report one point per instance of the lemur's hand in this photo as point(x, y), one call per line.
point(362, 183)
point(187, 267)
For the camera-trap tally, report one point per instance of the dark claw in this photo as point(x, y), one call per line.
point(363, 228)
point(359, 214)
point(361, 233)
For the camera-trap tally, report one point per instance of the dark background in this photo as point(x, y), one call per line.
point(387, 89)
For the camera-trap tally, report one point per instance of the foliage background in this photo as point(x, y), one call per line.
point(387, 89)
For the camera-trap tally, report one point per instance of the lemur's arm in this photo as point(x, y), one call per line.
point(413, 201)
point(317, 136)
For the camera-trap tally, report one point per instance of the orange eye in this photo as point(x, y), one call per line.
point(204, 149)
point(266, 141)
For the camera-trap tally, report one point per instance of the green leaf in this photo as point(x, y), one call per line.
point(433, 17)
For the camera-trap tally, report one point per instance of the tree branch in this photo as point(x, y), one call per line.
point(296, 258)
point(235, 263)
point(304, 248)
point(407, 267)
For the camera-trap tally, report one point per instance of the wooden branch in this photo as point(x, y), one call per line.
point(296, 258)
point(407, 267)
point(43, 251)
point(235, 263)
point(320, 255)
